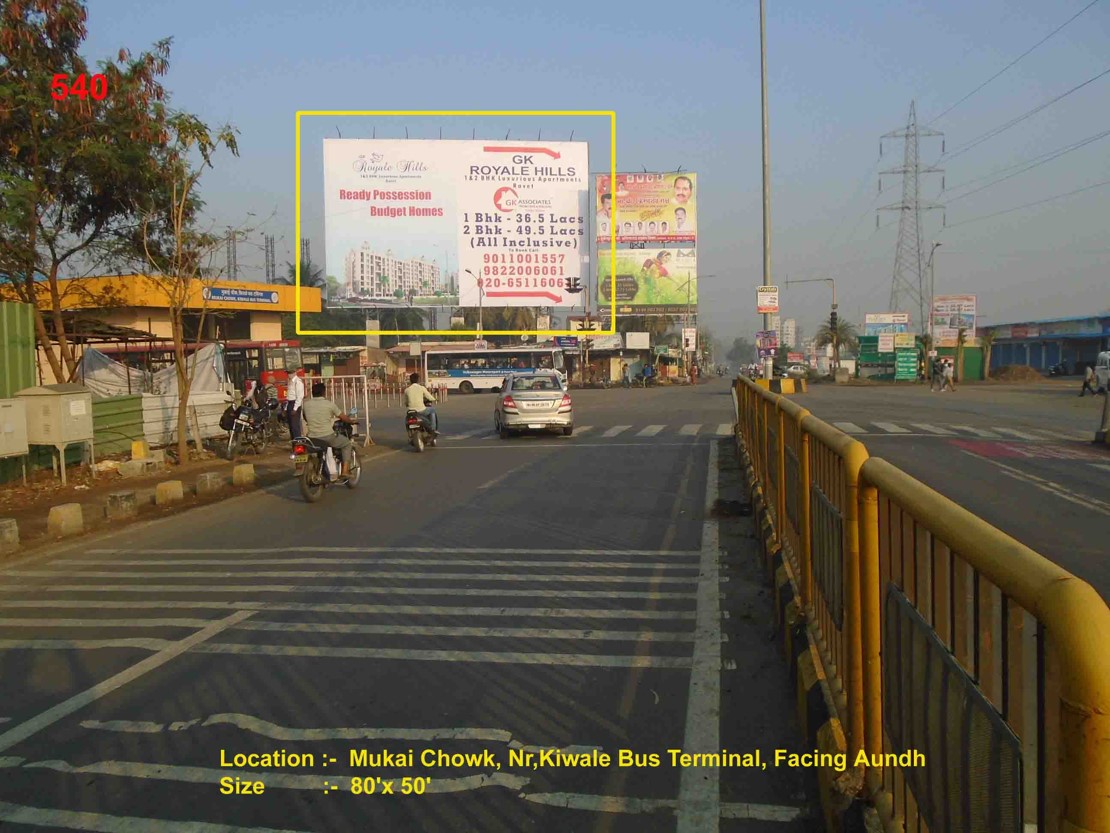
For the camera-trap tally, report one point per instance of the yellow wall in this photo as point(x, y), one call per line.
point(266, 326)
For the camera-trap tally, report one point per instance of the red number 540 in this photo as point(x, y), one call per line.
point(83, 87)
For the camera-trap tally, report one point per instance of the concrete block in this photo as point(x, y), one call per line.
point(65, 519)
point(140, 450)
point(140, 468)
point(169, 491)
point(122, 505)
point(841, 375)
point(9, 535)
point(158, 457)
point(243, 474)
point(209, 483)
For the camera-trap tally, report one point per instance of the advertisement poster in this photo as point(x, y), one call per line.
point(649, 281)
point(426, 223)
point(647, 208)
point(951, 313)
point(876, 323)
point(767, 299)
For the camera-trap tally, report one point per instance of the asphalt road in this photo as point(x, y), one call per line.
point(497, 599)
point(1020, 457)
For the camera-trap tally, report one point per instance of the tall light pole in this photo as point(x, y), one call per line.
point(832, 282)
point(479, 301)
point(686, 318)
point(768, 363)
point(932, 285)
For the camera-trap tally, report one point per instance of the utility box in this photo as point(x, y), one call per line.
point(58, 414)
point(13, 428)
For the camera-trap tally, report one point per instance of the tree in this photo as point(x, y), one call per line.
point(741, 351)
point(986, 341)
point(844, 336)
point(312, 275)
point(75, 173)
point(654, 325)
point(961, 341)
point(178, 254)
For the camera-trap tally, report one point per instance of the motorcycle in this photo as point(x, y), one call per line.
point(419, 431)
point(247, 426)
point(1060, 369)
point(317, 468)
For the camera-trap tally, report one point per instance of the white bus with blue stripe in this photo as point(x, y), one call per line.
point(467, 369)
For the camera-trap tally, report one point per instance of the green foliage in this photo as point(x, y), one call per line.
point(741, 351)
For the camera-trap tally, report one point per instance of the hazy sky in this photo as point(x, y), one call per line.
point(684, 81)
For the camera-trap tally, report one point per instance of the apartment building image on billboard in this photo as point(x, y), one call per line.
point(373, 275)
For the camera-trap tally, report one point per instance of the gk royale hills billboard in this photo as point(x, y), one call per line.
point(509, 217)
point(647, 208)
point(951, 313)
point(652, 282)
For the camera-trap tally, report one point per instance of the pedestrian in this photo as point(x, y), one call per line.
point(936, 375)
point(294, 402)
point(949, 377)
point(1088, 382)
point(626, 380)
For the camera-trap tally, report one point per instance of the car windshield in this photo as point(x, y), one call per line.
point(522, 383)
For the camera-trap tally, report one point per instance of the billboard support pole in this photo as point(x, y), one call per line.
point(768, 363)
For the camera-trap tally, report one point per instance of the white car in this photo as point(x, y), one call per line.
point(797, 370)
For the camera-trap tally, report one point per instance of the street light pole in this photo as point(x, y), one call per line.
point(768, 363)
point(479, 282)
point(932, 284)
point(832, 282)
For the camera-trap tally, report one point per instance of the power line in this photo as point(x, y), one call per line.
point(1031, 204)
point(1052, 154)
point(1013, 62)
point(990, 134)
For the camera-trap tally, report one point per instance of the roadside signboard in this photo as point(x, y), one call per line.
point(904, 341)
point(767, 338)
point(689, 338)
point(886, 342)
point(905, 365)
point(766, 352)
point(647, 208)
point(566, 341)
point(637, 341)
point(648, 282)
point(951, 313)
point(767, 299)
point(795, 358)
point(875, 323)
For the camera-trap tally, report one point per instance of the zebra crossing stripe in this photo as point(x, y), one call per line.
point(979, 432)
point(849, 428)
point(582, 429)
point(891, 428)
point(724, 429)
point(651, 431)
point(689, 430)
point(932, 429)
point(1013, 432)
point(616, 429)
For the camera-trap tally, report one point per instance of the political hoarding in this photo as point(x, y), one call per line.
point(875, 323)
point(647, 208)
point(510, 217)
point(951, 313)
point(648, 282)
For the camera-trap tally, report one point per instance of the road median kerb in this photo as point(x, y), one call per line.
point(9, 535)
point(209, 482)
point(122, 505)
point(65, 520)
point(243, 475)
point(169, 491)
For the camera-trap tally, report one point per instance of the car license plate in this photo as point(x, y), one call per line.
point(300, 458)
point(535, 427)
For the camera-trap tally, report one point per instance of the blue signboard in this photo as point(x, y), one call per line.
point(240, 296)
point(566, 341)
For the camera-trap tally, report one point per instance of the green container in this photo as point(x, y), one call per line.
point(117, 421)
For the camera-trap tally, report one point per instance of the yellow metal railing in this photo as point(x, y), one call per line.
point(865, 540)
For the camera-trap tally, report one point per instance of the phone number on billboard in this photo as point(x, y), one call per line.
point(523, 258)
point(522, 283)
point(523, 271)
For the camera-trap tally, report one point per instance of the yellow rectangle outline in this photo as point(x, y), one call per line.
point(612, 115)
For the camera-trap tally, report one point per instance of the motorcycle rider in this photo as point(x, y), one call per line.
point(416, 397)
point(320, 415)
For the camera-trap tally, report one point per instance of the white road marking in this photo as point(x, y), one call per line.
point(342, 652)
point(1046, 485)
point(405, 562)
point(623, 804)
point(1103, 466)
point(979, 432)
point(103, 623)
point(74, 820)
point(849, 428)
point(582, 429)
point(368, 550)
point(21, 731)
point(616, 429)
point(699, 789)
point(340, 588)
point(434, 630)
point(932, 429)
point(467, 435)
point(393, 610)
point(891, 428)
point(689, 430)
point(724, 429)
point(651, 431)
point(266, 729)
point(1013, 432)
point(370, 574)
point(273, 780)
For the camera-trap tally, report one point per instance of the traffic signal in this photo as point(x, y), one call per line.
point(574, 285)
point(832, 321)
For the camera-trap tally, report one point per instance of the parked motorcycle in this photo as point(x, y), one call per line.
point(247, 426)
point(419, 431)
point(1060, 369)
point(317, 467)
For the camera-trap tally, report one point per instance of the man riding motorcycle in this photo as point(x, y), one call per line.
point(319, 416)
point(416, 397)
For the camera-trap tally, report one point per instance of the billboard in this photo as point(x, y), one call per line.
point(950, 314)
point(875, 323)
point(647, 208)
point(767, 299)
point(649, 282)
point(509, 218)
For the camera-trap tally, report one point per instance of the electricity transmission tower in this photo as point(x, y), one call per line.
point(907, 288)
point(271, 260)
point(306, 253)
point(232, 255)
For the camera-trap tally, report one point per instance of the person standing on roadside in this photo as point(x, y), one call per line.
point(294, 402)
point(949, 377)
point(1089, 383)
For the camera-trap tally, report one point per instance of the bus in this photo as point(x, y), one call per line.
point(467, 369)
